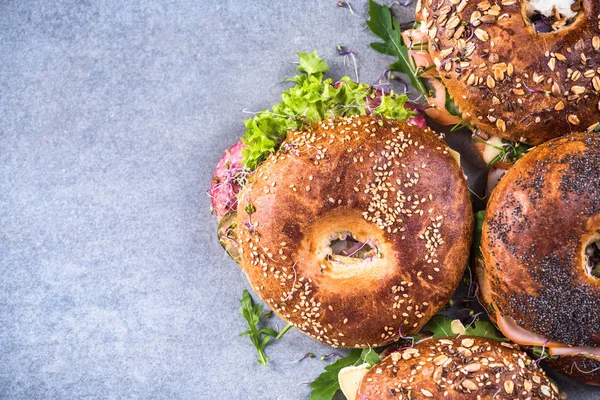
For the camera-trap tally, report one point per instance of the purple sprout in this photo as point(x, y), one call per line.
point(530, 90)
point(330, 355)
point(345, 53)
point(481, 135)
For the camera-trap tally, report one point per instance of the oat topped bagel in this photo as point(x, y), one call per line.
point(356, 230)
point(511, 78)
point(458, 368)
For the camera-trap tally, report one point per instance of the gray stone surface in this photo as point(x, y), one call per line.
point(112, 116)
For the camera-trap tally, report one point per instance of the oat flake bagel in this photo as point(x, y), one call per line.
point(354, 231)
point(460, 368)
point(541, 276)
point(510, 80)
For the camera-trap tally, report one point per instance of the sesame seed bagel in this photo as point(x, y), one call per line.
point(509, 80)
point(459, 368)
point(535, 277)
point(391, 186)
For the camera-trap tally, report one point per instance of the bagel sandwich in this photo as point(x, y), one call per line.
point(350, 218)
point(539, 271)
point(458, 368)
point(515, 72)
point(357, 230)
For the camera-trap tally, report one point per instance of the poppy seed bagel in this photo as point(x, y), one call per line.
point(394, 191)
point(539, 246)
point(509, 80)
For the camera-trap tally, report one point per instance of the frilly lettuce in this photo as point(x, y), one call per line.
point(312, 99)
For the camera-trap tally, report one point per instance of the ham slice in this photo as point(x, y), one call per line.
point(422, 59)
point(437, 102)
point(526, 338)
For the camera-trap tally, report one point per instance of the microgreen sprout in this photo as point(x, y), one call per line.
point(304, 357)
point(530, 90)
point(478, 134)
point(508, 152)
point(348, 53)
point(326, 357)
point(346, 4)
point(460, 126)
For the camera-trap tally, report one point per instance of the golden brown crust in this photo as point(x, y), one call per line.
point(459, 368)
point(339, 178)
point(507, 79)
point(539, 218)
point(538, 222)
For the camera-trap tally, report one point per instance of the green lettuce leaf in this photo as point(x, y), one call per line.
point(326, 385)
point(311, 64)
point(440, 327)
point(311, 99)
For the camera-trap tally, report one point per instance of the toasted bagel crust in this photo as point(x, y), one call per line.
point(539, 220)
point(459, 368)
point(394, 185)
point(509, 80)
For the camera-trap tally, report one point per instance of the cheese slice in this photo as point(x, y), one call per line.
point(350, 379)
point(545, 7)
point(493, 148)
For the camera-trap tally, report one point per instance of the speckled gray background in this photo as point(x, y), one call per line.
point(112, 116)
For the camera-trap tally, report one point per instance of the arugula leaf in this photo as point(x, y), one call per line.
point(326, 385)
point(383, 24)
point(477, 232)
point(259, 337)
point(597, 129)
point(312, 99)
point(440, 326)
point(451, 106)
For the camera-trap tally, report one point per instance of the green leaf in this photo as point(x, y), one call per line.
point(542, 352)
point(393, 107)
point(485, 329)
point(477, 232)
point(327, 384)
point(310, 63)
point(311, 99)
point(451, 106)
point(440, 326)
point(370, 356)
point(383, 24)
point(597, 129)
point(269, 331)
point(259, 337)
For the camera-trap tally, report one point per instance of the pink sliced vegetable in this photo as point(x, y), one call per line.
point(225, 182)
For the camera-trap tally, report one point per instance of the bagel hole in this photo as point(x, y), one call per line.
point(345, 245)
point(592, 258)
point(547, 16)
